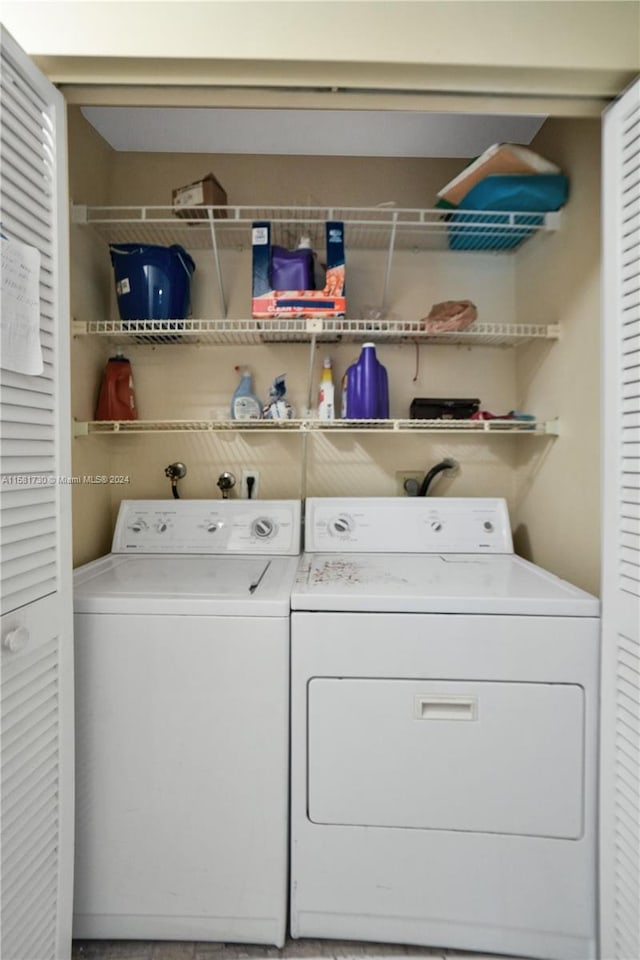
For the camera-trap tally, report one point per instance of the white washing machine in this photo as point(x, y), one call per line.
point(444, 717)
point(182, 693)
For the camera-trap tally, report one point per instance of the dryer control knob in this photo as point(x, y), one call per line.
point(436, 526)
point(340, 526)
point(488, 525)
point(263, 527)
point(212, 527)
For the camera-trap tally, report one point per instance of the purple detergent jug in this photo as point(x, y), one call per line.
point(365, 393)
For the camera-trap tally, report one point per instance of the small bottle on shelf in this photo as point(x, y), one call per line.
point(244, 403)
point(326, 404)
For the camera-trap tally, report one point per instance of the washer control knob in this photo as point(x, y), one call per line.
point(161, 526)
point(263, 527)
point(436, 526)
point(488, 526)
point(212, 527)
point(340, 526)
point(137, 526)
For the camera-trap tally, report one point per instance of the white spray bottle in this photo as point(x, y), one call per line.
point(326, 404)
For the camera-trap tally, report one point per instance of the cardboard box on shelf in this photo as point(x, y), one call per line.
point(267, 303)
point(207, 192)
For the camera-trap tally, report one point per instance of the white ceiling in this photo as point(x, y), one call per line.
point(354, 133)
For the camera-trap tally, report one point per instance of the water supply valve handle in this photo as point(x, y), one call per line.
point(226, 481)
point(174, 472)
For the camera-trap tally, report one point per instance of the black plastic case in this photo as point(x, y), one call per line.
point(430, 408)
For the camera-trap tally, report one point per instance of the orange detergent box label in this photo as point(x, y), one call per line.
point(267, 303)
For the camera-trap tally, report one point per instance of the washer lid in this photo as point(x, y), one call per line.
point(184, 585)
point(435, 583)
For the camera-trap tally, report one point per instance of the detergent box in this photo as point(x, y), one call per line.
point(268, 302)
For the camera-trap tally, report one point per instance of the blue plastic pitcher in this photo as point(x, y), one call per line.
point(152, 283)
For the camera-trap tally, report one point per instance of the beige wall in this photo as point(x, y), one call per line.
point(558, 47)
point(558, 280)
point(90, 161)
point(178, 381)
point(551, 484)
point(536, 33)
point(589, 48)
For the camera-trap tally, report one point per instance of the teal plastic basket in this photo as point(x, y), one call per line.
point(527, 197)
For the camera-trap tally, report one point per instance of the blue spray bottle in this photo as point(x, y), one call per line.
point(244, 404)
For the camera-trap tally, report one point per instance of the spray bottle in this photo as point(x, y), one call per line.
point(326, 404)
point(318, 270)
point(244, 404)
point(277, 406)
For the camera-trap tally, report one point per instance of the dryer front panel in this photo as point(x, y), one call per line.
point(444, 755)
point(443, 780)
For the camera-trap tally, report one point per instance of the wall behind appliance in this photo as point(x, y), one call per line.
point(175, 381)
point(183, 381)
point(558, 281)
point(90, 165)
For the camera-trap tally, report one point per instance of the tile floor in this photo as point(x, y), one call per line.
point(293, 950)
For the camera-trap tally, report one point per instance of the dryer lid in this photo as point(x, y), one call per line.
point(435, 583)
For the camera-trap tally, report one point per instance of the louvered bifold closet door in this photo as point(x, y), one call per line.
point(35, 567)
point(620, 721)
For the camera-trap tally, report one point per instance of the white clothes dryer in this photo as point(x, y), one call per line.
point(444, 719)
point(182, 694)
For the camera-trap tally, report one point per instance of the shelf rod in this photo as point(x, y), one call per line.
point(387, 274)
point(216, 257)
point(303, 465)
point(312, 358)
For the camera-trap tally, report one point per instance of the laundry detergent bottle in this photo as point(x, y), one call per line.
point(365, 393)
point(244, 403)
point(117, 399)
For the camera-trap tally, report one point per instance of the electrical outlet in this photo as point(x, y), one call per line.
point(247, 476)
point(408, 482)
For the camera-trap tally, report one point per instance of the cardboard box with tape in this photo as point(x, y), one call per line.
point(190, 201)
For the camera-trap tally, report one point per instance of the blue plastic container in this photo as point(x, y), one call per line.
point(366, 389)
point(527, 194)
point(152, 283)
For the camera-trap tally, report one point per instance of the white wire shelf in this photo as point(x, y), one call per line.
point(311, 426)
point(303, 330)
point(366, 228)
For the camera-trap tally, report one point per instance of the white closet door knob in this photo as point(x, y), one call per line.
point(16, 639)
